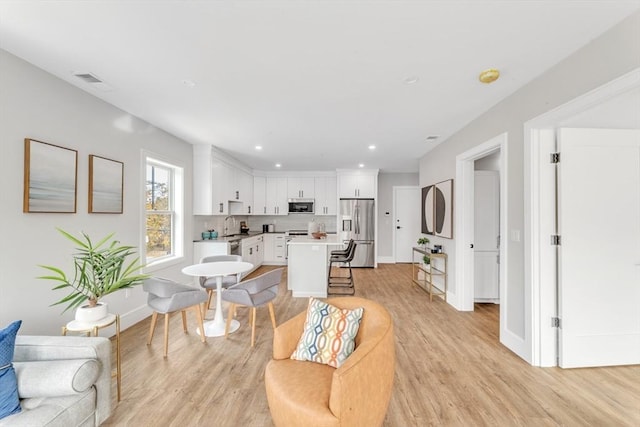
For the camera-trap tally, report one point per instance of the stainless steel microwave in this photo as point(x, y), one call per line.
point(301, 206)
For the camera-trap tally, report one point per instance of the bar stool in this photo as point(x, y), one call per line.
point(345, 251)
point(337, 282)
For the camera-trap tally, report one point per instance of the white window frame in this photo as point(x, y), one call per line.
point(177, 199)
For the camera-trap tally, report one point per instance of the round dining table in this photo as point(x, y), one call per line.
point(215, 327)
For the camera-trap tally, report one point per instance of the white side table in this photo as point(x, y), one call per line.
point(89, 328)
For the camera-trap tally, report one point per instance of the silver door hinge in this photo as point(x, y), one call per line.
point(555, 240)
point(555, 322)
point(555, 157)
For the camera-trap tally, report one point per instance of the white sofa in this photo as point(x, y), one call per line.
point(62, 381)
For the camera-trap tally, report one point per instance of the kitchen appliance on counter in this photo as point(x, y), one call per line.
point(268, 228)
point(301, 205)
point(244, 229)
point(357, 222)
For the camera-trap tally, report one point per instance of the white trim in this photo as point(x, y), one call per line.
point(537, 296)
point(386, 259)
point(464, 269)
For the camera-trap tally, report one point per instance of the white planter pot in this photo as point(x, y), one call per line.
point(86, 313)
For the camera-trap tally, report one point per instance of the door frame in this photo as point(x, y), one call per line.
point(464, 216)
point(541, 293)
point(395, 214)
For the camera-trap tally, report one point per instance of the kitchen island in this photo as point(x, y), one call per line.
point(308, 265)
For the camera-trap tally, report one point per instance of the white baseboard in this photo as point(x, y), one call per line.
point(386, 260)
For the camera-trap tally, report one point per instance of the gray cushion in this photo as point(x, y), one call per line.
point(50, 378)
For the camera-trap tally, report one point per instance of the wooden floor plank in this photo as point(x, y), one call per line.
point(451, 370)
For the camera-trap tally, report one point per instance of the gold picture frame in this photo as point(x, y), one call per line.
point(50, 178)
point(106, 185)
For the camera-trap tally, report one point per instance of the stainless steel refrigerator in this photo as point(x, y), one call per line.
point(357, 222)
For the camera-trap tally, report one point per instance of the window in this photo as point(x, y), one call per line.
point(163, 211)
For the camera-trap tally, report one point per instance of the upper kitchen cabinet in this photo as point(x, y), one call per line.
point(240, 189)
point(300, 187)
point(219, 187)
point(276, 194)
point(358, 184)
point(326, 188)
point(259, 195)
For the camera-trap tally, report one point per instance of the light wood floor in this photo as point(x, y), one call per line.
point(451, 370)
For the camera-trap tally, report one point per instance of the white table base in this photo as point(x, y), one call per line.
point(215, 327)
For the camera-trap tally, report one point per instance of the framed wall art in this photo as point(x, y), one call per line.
point(50, 178)
point(106, 180)
point(427, 210)
point(443, 209)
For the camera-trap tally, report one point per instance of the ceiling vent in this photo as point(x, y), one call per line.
point(88, 78)
point(94, 81)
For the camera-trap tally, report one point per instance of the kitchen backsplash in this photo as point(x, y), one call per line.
point(282, 223)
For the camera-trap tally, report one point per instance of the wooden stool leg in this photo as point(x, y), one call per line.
point(152, 328)
point(253, 326)
point(232, 308)
point(184, 321)
point(272, 314)
point(118, 359)
point(199, 315)
point(208, 306)
point(166, 334)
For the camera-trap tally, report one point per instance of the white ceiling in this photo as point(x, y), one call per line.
point(313, 82)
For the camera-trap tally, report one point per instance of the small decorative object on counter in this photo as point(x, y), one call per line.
point(213, 234)
point(206, 235)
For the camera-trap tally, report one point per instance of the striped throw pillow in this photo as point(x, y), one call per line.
point(329, 334)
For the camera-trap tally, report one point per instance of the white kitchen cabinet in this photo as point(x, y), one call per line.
point(274, 249)
point(326, 188)
point(358, 185)
point(253, 251)
point(276, 192)
point(221, 174)
point(240, 187)
point(300, 187)
point(216, 182)
point(259, 195)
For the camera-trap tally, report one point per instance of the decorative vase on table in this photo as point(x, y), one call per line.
point(88, 314)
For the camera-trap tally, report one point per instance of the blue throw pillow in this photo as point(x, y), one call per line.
point(9, 400)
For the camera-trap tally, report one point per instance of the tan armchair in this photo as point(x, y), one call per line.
point(357, 393)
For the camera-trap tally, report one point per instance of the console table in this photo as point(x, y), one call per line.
point(431, 277)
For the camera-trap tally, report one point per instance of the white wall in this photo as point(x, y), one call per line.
point(614, 54)
point(37, 105)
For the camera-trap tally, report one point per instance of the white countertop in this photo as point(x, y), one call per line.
point(331, 239)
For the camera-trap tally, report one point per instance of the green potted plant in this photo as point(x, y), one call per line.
point(99, 269)
point(423, 242)
point(426, 259)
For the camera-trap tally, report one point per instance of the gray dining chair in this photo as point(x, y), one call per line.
point(209, 283)
point(167, 297)
point(256, 292)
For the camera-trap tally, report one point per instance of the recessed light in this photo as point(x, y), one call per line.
point(411, 80)
point(372, 147)
point(489, 76)
point(258, 147)
point(361, 165)
point(188, 83)
point(278, 165)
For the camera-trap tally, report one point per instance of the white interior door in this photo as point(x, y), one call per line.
point(599, 254)
point(406, 221)
point(486, 241)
